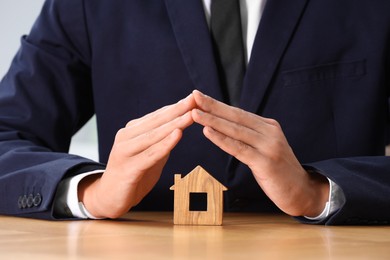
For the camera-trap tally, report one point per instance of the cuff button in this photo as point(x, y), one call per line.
point(37, 200)
point(30, 201)
point(20, 204)
point(24, 202)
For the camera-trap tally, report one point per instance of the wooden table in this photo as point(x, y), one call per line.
point(153, 236)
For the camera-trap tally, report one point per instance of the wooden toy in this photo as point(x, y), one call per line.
point(198, 185)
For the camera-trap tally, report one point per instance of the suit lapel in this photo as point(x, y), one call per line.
point(276, 28)
point(193, 38)
point(277, 25)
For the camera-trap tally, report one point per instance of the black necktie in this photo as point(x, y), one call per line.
point(226, 33)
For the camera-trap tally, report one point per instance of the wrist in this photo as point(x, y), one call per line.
point(87, 194)
point(317, 194)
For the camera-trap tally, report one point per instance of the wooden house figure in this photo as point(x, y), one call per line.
point(198, 185)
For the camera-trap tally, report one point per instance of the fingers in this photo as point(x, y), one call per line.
point(229, 128)
point(260, 143)
point(248, 137)
point(141, 162)
point(240, 150)
point(233, 114)
point(134, 145)
point(147, 140)
point(251, 129)
point(158, 151)
point(160, 117)
point(138, 155)
point(140, 134)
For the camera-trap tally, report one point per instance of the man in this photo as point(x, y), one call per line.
point(308, 136)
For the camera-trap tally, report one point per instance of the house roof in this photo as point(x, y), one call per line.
point(198, 170)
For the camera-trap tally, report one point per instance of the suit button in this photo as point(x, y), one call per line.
point(20, 205)
point(24, 202)
point(30, 201)
point(37, 200)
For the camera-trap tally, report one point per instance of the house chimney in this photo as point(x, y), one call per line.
point(177, 178)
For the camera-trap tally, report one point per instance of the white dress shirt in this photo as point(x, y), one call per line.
point(66, 201)
point(251, 12)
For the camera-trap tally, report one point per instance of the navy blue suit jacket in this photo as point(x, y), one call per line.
point(321, 68)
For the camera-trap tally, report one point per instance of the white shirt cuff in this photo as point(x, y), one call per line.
point(335, 201)
point(66, 201)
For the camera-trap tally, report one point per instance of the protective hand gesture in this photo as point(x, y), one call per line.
point(138, 155)
point(260, 143)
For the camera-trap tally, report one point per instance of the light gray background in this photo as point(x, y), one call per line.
point(16, 19)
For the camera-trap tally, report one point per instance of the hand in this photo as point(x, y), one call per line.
point(260, 143)
point(138, 155)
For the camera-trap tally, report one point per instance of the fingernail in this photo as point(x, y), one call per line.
point(200, 93)
point(209, 129)
point(182, 100)
point(199, 112)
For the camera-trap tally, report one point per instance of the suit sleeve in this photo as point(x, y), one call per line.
point(365, 182)
point(45, 98)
